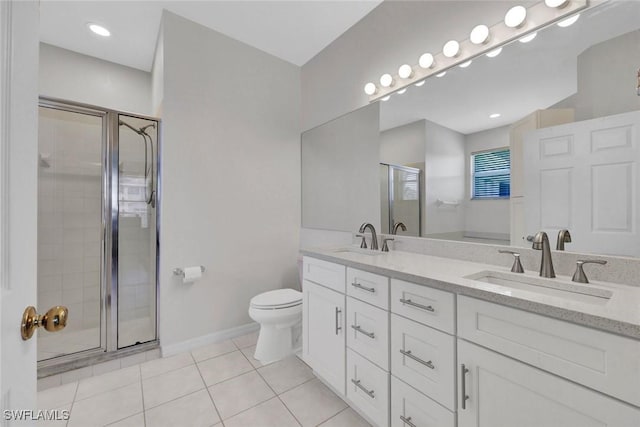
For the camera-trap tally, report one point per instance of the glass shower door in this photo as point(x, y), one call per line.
point(70, 224)
point(137, 167)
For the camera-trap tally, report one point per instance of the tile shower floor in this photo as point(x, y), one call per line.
point(216, 385)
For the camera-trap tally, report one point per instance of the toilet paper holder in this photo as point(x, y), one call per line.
point(180, 271)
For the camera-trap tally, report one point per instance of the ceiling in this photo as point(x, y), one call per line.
point(294, 31)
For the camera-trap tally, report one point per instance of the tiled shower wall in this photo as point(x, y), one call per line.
point(69, 217)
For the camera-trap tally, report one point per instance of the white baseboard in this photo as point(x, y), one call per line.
point(190, 344)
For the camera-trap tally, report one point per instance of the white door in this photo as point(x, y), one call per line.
point(505, 393)
point(583, 176)
point(19, 23)
point(323, 332)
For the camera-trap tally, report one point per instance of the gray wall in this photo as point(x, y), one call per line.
point(72, 76)
point(230, 178)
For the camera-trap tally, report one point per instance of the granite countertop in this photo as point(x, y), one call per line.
point(620, 314)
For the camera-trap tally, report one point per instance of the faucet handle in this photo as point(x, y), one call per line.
point(579, 275)
point(517, 265)
point(385, 247)
point(363, 244)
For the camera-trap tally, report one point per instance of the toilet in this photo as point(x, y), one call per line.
point(279, 314)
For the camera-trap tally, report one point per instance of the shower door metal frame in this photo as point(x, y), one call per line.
point(391, 192)
point(108, 348)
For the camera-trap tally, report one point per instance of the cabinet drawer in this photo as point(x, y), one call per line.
point(368, 388)
point(428, 306)
point(605, 362)
point(368, 287)
point(368, 331)
point(324, 273)
point(424, 358)
point(407, 404)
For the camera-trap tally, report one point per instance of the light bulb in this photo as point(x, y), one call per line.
point(421, 83)
point(426, 60)
point(405, 71)
point(494, 115)
point(528, 37)
point(386, 98)
point(99, 30)
point(386, 80)
point(479, 34)
point(370, 89)
point(569, 21)
point(465, 64)
point(515, 17)
point(556, 3)
point(441, 74)
point(494, 52)
point(401, 91)
point(451, 49)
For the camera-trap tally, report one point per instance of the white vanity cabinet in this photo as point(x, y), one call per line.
point(323, 321)
point(502, 392)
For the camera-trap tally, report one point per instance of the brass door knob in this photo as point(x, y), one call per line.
point(53, 320)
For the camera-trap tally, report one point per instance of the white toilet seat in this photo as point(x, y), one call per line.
point(278, 299)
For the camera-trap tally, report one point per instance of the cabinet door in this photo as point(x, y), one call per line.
point(505, 393)
point(323, 333)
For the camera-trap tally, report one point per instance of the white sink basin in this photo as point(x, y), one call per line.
point(359, 251)
point(552, 287)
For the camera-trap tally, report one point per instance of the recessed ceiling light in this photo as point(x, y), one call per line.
point(569, 21)
point(465, 64)
point(99, 30)
point(441, 74)
point(528, 37)
point(494, 52)
point(494, 115)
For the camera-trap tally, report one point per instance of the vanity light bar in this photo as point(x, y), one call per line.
point(538, 16)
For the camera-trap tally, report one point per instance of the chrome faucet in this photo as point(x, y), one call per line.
point(541, 242)
point(396, 225)
point(563, 237)
point(374, 236)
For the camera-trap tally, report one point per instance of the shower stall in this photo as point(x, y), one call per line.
point(98, 198)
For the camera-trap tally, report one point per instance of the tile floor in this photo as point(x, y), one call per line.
point(216, 385)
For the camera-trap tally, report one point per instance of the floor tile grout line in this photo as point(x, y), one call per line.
point(278, 396)
point(334, 415)
point(144, 410)
point(207, 389)
point(73, 402)
point(105, 391)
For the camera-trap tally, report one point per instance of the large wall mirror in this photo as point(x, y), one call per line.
point(543, 136)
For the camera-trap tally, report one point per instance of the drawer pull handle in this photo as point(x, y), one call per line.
point(410, 355)
point(364, 288)
point(416, 305)
point(362, 331)
point(338, 327)
point(463, 374)
point(370, 393)
point(407, 421)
